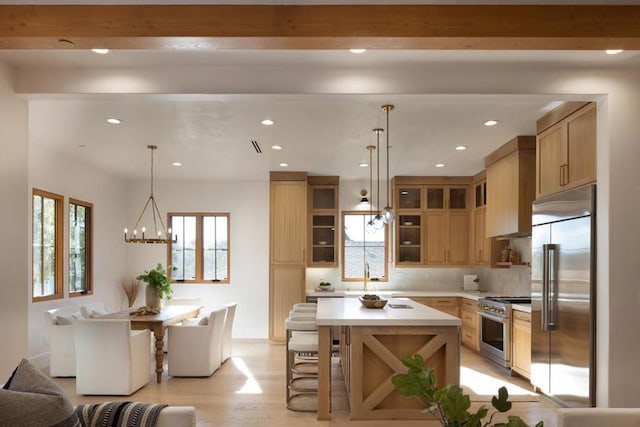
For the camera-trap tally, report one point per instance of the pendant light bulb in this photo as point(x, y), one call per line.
point(378, 222)
point(388, 215)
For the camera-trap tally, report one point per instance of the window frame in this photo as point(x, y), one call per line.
point(88, 248)
point(199, 249)
point(58, 246)
point(342, 247)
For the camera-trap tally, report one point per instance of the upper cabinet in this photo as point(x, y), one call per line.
point(432, 226)
point(481, 245)
point(323, 221)
point(510, 187)
point(566, 148)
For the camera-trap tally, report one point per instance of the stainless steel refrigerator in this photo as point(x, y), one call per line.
point(563, 265)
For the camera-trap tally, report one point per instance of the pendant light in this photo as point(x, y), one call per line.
point(388, 215)
point(370, 228)
point(160, 233)
point(377, 222)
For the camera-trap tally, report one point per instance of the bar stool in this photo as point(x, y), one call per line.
point(305, 307)
point(302, 337)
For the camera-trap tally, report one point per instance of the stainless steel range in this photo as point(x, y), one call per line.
point(495, 327)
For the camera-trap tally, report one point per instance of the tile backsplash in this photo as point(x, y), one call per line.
point(515, 280)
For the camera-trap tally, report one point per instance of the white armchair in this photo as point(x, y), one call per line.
point(62, 353)
point(226, 334)
point(111, 359)
point(93, 310)
point(195, 350)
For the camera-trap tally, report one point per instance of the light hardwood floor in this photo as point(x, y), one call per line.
point(248, 390)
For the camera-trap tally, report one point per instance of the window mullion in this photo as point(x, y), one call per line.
point(199, 250)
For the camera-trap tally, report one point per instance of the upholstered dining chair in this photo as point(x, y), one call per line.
point(111, 359)
point(62, 352)
point(180, 301)
point(226, 334)
point(195, 350)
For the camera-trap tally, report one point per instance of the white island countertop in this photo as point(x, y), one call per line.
point(349, 312)
point(475, 295)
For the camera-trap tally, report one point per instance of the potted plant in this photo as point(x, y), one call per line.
point(448, 404)
point(158, 286)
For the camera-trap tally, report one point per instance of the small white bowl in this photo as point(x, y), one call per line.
point(406, 242)
point(322, 242)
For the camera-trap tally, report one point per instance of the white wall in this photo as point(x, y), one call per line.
point(14, 217)
point(51, 171)
point(248, 203)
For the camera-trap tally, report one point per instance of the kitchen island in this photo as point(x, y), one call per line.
point(372, 344)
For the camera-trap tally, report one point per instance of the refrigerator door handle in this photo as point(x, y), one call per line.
point(544, 318)
point(551, 303)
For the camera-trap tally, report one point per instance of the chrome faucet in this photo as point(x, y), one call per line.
point(366, 275)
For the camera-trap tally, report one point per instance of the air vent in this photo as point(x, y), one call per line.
point(256, 146)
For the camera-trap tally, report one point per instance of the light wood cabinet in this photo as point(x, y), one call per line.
point(323, 221)
point(566, 150)
point(449, 305)
point(433, 226)
point(521, 346)
point(480, 244)
point(287, 241)
point(470, 335)
point(510, 187)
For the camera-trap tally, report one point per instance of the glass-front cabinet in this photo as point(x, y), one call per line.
point(408, 236)
point(432, 223)
point(323, 221)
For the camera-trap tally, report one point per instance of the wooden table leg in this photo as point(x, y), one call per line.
point(158, 333)
point(324, 372)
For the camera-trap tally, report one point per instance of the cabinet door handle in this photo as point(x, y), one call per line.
point(566, 174)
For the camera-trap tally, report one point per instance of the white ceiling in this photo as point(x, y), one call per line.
point(211, 133)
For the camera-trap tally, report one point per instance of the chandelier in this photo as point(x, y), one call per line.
point(160, 234)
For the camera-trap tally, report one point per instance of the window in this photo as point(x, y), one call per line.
point(201, 253)
point(47, 245)
point(80, 239)
point(361, 249)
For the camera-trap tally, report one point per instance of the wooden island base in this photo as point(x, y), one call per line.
point(370, 354)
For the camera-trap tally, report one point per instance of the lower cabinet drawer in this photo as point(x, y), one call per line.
point(469, 338)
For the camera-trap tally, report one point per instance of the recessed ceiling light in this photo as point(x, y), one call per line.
point(461, 147)
point(176, 164)
point(284, 165)
point(491, 123)
point(439, 165)
point(100, 51)
point(364, 165)
point(277, 147)
point(267, 122)
point(114, 121)
point(613, 51)
point(357, 50)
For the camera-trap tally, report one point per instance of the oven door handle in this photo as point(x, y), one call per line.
point(500, 319)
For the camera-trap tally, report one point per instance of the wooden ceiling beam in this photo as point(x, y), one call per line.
point(490, 27)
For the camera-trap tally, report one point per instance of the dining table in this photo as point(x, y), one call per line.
point(157, 324)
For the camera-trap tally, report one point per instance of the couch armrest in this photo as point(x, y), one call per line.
point(177, 416)
point(598, 417)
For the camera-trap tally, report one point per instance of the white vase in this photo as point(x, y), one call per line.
point(152, 299)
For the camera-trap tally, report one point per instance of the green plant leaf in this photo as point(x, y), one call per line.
point(501, 402)
point(454, 403)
